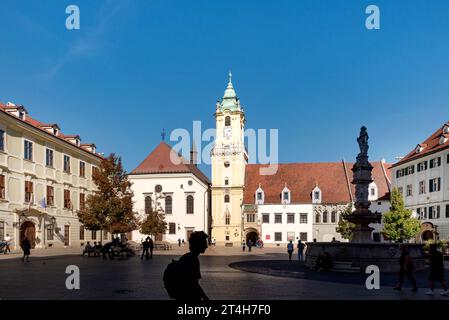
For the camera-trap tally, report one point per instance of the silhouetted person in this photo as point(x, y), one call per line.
point(190, 290)
point(436, 271)
point(406, 269)
point(106, 249)
point(243, 245)
point(290, 250)
point(250, 244)
point(179, 242)
point(26, 247)
point(146, 247)
point(300, 247)
point(151, 247)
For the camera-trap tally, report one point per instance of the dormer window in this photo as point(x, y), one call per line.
point(228, 121)
point(286, 195)
point(372, 191)
point(21, 115)
point(260, 196)
point(316, 195)
point(443, 139)
point(419, 148)
point(446, 129)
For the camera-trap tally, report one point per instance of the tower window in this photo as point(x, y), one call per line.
point(226, 198)
point(228, 121)
point(226, 182)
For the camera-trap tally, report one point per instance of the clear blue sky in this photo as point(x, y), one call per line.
point(309, 68)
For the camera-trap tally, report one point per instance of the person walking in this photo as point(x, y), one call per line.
point(243, 245)
point(250, 244)
point(151, 247)
point(26, 247)
point(179, 242)
point(145, 248)
point(8, 242)
point(406, 269)
point(191, 289)
point(106, 250)
point(300, 248)
point(436, 271)
point(290, 250)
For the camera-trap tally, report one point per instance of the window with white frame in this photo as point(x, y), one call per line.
point(250, 217)
point(28, 150)
point(278, 218)
point(278, 236)
point(66, 164)
point(409, 190)
point(303, 218)
point(316, 195)
point(265, 218)
point(434, 184)
point(422, 187)
point(290, 218)
point(434, 212)
point(435, 162)
point(49, 155)
point(2, 140)
point(303, 236)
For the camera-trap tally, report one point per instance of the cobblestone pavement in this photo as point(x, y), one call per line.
point(261, 274)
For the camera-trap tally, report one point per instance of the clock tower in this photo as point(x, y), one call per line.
point(229, 160)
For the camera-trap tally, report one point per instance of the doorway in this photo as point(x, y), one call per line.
point(27, 229)
point(253, 236)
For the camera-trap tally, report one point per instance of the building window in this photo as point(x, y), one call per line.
point(317, 218)
point(94, 235)
point(28, 191)
point(66, 164)
point(2, 230)
point(50, 196)
point(95, 171)
point(409, 190)
point(422, 213)
point(325, 216)
point(290, 218)
point(410, 170)
point(435, 162)
point(259, 196)
point(2, 140)
point(422, 166)
point(81, 232)
point(190, 205)
point(251, 218)
point(172, 228)
point(265, 218)
point(82, 169)
point(148, 205)
point(278, 218)
point(303, 236)
point(447, 158)
point(434, 184)
point(50, 232)
point(228, 219)
point(67, 199)
point(447, 211)
point(373, 191)
point(286, 196)
point(278, 236)
point(228, 121)
point(333, 217)
point(226, 198)
point(49, 158)
point(28, 150)
point(303, 218)
point(434, 212)
point(422, 187)
point(82, 201)
point(2, 187)
point(226, 182)
point(316, 195)
point(168, 205)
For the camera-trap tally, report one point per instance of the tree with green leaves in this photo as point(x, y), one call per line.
point(110, 207)
point(399, 225)
point(344, 226)
point(154, 223)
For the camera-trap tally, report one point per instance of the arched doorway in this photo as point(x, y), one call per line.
point(428, 231)
point(253, 236)
point(427, 235)
point(27, 229)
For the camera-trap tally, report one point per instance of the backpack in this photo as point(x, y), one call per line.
point(173, 278)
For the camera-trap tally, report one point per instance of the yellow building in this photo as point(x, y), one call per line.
point(229, 160)
point(45, 177)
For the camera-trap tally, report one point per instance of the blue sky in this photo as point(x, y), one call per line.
point(308, 68)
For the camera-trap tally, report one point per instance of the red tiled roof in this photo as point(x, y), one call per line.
point(430, 145)
point(302, 178)
point(164, 159)
point(38, 125)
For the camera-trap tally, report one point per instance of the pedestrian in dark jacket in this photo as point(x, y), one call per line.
point(26, 247)
point(436, 271)
point(406, 269)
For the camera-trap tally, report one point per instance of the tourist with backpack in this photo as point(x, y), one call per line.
point(300, 247)
point(290, 250)
point(181, 278)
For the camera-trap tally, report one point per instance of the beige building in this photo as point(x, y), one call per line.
point(45, 177)
point(229, 160)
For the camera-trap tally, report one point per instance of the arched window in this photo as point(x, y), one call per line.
point(325, 215)
point(334, 217)
point(148, 205)
point(317, 218)
point(190, 205)
point(168, 205)
point(226, 198)
point(228, 218)
point(228, 121)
